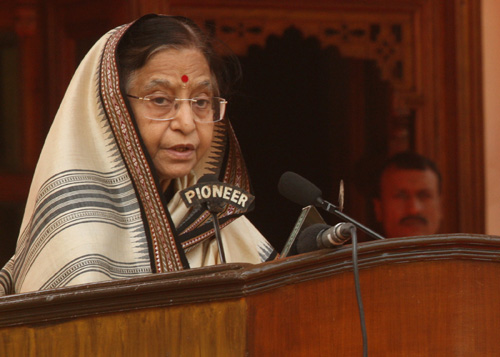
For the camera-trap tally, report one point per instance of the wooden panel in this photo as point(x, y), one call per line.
point(231, 281)
point(423, 296)
point(16, 187)
point(207, 329)
point(412, 309)
point(6, 12)
point(470, 148)
point(73, 27)
point(29, 30)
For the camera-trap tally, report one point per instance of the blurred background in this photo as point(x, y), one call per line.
point(330, 88)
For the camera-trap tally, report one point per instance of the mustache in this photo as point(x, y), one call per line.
point(410, 218)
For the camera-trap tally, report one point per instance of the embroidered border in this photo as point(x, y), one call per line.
point(165, 251)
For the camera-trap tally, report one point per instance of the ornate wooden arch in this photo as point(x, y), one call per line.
point(429, 51)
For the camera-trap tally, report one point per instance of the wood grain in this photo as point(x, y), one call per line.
point(422, 295)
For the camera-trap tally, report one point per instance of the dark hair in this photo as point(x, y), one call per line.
point(153, 32)
point(408, 160)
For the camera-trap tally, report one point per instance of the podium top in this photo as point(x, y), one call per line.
point(233, 281)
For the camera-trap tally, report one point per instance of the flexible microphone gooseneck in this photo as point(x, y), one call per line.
point(303, 192)
point(299, 190)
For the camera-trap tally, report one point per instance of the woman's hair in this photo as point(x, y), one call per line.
point(153, 33)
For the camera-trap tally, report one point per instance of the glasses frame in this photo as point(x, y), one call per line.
point(222, 101)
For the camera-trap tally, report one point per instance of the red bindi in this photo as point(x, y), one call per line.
point(184, 78)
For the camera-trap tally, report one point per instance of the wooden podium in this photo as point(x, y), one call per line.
point(423, 296)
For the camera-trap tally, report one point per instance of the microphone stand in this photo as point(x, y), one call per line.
point(214, 209)
point(218, 237)
point(331, 208)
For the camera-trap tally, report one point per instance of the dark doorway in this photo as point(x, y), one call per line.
point(307, 109)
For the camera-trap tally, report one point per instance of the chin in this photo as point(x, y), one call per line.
point(177, 173)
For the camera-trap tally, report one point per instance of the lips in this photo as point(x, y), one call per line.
point(413, 221)
point(181, 151)
point(181, 148)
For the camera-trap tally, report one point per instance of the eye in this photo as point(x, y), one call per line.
point(425, 195)
point(202, 103)
point(162, 100)
point(401, 195)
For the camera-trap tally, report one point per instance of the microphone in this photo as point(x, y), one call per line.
point(299, 190)
point(322, 236)
point(213, 196)
point(303, 192)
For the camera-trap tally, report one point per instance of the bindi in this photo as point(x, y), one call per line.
point(184, 80)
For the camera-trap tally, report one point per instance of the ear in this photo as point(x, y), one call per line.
point(377, 207)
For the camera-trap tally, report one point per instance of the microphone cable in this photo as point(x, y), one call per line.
point(357, 287)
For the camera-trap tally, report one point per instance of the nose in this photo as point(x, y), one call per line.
point(413, 205)
point(184, 119)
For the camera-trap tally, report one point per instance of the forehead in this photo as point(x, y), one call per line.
point(168, 66)
point(179, 57)
point(394, 179)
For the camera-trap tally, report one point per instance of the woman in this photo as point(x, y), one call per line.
point(140, 121)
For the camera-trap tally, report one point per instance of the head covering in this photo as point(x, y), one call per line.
point(95, 210)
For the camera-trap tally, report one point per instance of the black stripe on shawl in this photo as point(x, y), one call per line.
point(6, 280)
point(92, 263)
point(69, 198)
point(207, 229)
point(79, 194)
point(81, 197)
point(267, 253)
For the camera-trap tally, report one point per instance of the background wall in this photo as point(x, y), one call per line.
point(491, 97)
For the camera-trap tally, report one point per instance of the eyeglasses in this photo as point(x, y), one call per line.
point(164, 107)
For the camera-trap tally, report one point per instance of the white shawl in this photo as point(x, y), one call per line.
point(94, 210)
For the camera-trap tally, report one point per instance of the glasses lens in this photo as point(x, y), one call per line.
point(205, 109)
point(208, 109)
point(161, 106)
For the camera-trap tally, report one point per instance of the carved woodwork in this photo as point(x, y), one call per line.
point(429, 51)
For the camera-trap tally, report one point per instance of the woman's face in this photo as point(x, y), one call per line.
point(176, 145)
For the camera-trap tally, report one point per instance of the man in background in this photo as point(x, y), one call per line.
point(408, 196)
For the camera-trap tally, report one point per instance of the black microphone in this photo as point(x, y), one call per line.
point(303, 192)
point(213, 196)
point(300, 190)
point(323, 236)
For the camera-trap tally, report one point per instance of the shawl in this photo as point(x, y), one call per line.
point(95, 211)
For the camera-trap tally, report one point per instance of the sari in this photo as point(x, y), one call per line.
point(95, 210)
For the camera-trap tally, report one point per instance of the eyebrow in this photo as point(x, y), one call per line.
point(158, 82)
point(167, 84)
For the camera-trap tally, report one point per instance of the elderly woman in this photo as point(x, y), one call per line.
point(142, 119)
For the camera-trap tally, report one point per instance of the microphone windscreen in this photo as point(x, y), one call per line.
point(298, 189)
point(306, 241)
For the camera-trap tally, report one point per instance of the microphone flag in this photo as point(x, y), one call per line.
point(216, 194)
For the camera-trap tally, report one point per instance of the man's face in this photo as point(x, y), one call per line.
point(409, 203)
